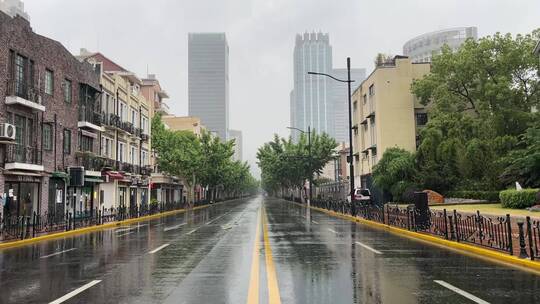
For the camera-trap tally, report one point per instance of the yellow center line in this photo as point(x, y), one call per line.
point(253, 293)
point(271, 277)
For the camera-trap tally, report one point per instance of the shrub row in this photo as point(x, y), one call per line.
point(519, 199)
point(490, 196)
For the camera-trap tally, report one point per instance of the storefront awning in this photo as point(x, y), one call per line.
point(114, 175)
point(60, 174)
point(93, 180)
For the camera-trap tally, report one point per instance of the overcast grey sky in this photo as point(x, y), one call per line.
point(138, 34)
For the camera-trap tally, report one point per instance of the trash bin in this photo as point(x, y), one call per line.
point(421, 214)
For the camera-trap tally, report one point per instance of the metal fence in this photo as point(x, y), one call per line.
point(515, 236)
point(24, 227)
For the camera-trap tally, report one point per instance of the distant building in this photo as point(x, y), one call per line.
point(237, 136)
point(184, 123)
point(423, 47)
point(311, 102)
point(208, 83)
point(152, 91)
point(340, 101)
point(14, 8)
point(386, 114)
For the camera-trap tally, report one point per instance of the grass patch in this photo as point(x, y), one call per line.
point(487, 209)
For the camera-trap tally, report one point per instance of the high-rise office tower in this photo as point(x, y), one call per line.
point(311, 102)
point(208, 83)
point(341, 101)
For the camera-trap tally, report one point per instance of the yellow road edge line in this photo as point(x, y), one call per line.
point(253, 292)
point(271, 277)
point(491, 255)
point(74, 232)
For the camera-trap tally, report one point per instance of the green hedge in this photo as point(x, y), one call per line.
point(518, 199)
point(490, 196)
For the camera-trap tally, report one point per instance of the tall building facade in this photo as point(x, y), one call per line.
point(311, 103)
point(208, 80)
point(423, 47)
point(14, 8)
point(237, 136)
point(340, 101)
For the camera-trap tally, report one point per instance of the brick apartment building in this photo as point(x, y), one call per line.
point(52, 99)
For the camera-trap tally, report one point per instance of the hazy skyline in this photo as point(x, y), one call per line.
point(153, 35)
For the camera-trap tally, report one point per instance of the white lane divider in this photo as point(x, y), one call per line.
point(57, 253)
point(130, 228)
point(461, 292)
point(160, 224)
point(75, 292)
point(192, 231)
point(217, 218)
point(333, 231)
point(173, 227)
point(315, 222)
point(369, 248)
point(124, 234)
point(159, 248)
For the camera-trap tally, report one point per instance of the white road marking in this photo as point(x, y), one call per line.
point(217, 218)
point(75, 292)
point(331, 230)
point(124, 234)
point(130, 228)
point(369, 248)
point(314, 222)
point(57, 253)
point(192, 231)
point(461, 292)
point(160, 224)
point(173, 227)
point(159, 248)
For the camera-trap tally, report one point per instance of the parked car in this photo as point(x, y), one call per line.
point(360, 195)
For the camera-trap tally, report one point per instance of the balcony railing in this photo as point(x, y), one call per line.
point(21, 154)
point(144, 137)
point(88, 115)
point(146, 170)
point(127, 126)
point(27, 95)
point(91, 162)
point(111, 120)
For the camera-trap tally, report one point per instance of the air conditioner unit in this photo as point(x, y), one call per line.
point(7, 131)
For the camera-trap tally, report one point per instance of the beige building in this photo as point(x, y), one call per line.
point(184, 123)
point(124, 156)
point(386, 114)
point(191, 124)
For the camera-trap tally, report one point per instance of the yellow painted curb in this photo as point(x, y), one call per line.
point(63, 234)
point(491, 255)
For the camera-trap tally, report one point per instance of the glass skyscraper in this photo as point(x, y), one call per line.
point(208, 81)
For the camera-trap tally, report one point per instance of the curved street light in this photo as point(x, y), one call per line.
point(351, 152)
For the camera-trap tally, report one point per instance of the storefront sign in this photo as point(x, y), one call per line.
point(59, 196)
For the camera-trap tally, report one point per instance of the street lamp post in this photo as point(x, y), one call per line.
point(309, 161)
point(351, 150)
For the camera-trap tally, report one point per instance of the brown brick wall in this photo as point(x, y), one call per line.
point(17, 35)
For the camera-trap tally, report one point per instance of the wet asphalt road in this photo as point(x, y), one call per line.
point(206, 256)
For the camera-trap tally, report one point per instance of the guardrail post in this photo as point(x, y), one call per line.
point(445, 224)
point(34, 225)
point(530, 237)
point(522, 250)
point(382, 214)
point(509, 226)
point(456, 228)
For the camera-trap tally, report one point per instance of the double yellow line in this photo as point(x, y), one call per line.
point(271, 277)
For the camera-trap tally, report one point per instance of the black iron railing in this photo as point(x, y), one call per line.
point(24, 90)
point(21, 154)
point(91, 162)
point(506, 234)
point(89, 115)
